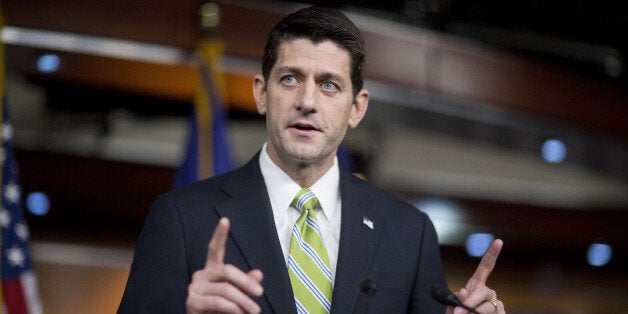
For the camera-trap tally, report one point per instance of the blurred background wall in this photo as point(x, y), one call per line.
point(498, 119)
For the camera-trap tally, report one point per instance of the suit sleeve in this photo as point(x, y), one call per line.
point(159, 276)
point(430, 272)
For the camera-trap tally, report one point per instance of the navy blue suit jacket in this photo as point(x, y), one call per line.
point(399, 254)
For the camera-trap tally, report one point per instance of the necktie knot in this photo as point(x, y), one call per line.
point(305, 200)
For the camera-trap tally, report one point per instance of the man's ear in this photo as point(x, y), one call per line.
point(259, 93)
point(358, 109)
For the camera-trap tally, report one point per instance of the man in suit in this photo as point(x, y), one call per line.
point(310, 91)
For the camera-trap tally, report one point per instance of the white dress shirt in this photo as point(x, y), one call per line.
point(282, 189)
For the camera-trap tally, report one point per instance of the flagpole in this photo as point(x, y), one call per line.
point(206, 57)
point(212, 90)
point(2, 87)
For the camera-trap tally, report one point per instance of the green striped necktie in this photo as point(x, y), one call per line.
point(308, 263)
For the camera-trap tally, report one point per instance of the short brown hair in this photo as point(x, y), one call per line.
point(318, 24)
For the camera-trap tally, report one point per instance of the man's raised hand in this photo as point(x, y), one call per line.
point(220, 287)
point(476, 294)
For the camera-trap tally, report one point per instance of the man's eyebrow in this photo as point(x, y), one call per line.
point(288, 69)
point(327, 76)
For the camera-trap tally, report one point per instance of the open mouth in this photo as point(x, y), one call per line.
point(304, 127)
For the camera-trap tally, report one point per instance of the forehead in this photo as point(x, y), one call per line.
point(323, 57)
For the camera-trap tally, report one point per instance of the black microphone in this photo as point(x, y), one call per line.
point(368, 287)
point(444, 296)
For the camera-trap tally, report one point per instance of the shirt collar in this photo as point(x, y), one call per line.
point(282, 189)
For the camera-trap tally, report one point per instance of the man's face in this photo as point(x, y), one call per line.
point(308, 102)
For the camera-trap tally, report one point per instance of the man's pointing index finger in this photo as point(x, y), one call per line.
point(216, 249)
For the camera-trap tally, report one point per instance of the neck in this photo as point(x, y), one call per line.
point(306, 175)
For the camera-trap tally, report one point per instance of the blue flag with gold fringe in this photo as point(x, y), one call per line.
point(208, 152)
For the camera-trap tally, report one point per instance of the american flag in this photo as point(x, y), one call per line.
point(19, 284)
point(19, 293)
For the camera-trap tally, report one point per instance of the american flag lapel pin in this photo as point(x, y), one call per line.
point(367, 222)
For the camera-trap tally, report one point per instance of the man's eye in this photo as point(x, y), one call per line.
point(329, 86)
point(288, 79)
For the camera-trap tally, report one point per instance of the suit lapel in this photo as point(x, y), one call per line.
point(253, 229)
point(358, 242)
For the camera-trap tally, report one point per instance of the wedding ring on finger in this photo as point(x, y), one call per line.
point(494, 302)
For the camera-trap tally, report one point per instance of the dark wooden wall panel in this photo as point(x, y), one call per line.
point(91, 197)
point(172, 22)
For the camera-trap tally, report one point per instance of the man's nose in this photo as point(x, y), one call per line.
point(307, 97)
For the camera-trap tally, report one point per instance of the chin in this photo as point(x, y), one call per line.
point(302, 154)
point(308, 156)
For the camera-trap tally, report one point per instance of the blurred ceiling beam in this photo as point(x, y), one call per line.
point(168, 78)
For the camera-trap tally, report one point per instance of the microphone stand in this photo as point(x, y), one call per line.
point(368, 287)
point(445, 296)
